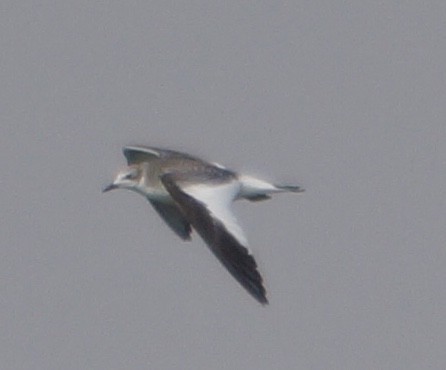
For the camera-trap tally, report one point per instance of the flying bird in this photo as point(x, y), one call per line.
point(190, 193)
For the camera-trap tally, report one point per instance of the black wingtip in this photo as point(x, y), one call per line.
point(258, 291)
point(263, 300)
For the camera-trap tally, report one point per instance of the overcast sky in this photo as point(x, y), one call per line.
point(346, 98)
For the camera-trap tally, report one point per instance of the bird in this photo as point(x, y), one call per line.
point(189, 193)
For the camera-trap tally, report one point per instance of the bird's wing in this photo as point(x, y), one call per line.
point(140, 153)
point(137, 154)
point(173, 217)
point(206, 205)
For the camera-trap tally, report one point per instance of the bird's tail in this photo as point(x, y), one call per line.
point(290, 188)
point(256, 189)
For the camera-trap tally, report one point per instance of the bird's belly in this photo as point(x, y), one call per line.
point(155, 193)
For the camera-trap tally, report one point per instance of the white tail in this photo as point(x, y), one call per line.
point(256, 189)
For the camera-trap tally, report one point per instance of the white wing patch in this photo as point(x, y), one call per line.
point(217, 199)
point(219, 165)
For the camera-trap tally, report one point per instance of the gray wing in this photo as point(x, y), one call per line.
point(218, 229)
point(173, 217)
point(137, 154)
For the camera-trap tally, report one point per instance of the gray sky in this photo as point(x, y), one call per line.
point(345, 98)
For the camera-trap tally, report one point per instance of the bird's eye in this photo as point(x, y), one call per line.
point(131, 175)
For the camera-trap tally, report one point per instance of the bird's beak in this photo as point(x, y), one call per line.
point(109, 187)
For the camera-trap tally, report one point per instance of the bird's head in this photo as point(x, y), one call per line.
point(127, 178)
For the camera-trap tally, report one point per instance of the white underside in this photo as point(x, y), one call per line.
point(155, 193)
point(218, 199)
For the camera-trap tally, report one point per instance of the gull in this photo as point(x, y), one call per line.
point(190, 193)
